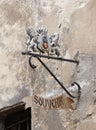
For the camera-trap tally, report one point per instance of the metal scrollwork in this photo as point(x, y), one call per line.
point(38, 41)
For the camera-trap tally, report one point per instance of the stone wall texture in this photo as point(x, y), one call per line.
point(77, 34)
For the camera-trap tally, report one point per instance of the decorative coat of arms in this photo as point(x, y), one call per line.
point(39, 41)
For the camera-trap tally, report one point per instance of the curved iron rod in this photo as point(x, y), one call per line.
point(31, 65)
point(79, 88)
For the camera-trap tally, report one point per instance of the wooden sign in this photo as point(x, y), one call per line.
point(54, 102)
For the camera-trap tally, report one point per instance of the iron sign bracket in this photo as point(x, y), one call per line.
point(38, 57)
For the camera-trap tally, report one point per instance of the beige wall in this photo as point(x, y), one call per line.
point(77, 32)
point(15, 74)
point(82, 29)
point(16, 78)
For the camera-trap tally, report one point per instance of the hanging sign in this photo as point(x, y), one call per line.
point(53, 102)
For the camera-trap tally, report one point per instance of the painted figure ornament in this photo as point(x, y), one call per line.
point(38, 41)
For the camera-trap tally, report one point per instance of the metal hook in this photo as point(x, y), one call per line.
point(32, 65)
point(74, 83)
point(79, 88)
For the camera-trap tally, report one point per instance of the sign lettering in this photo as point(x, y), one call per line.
point(53, 103)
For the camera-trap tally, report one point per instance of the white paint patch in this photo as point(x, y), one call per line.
point(82, 84)
point(51, 94)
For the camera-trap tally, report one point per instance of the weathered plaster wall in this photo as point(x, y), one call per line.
point(86, 76)
point(15, 76)
point(82, 30)
point(81, 37)
point(17, 80)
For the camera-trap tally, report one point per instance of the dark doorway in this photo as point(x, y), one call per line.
point(20, 120)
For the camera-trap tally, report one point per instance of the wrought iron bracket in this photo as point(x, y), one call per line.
point(51, 73)
point(51, 57)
